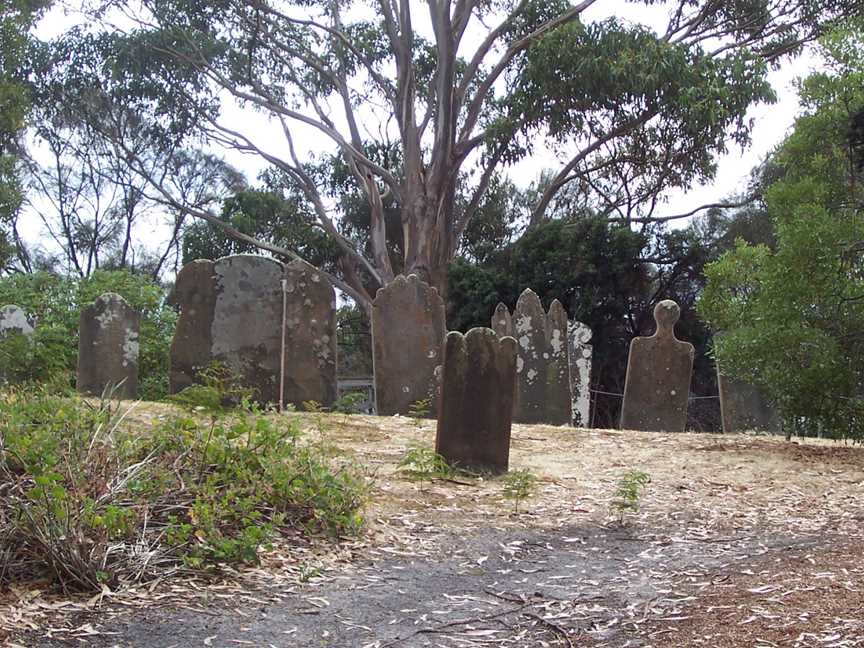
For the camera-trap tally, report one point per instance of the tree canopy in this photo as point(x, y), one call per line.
point(424, 103)
point(791, 314)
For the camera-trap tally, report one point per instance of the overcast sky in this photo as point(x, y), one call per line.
point(771, 123)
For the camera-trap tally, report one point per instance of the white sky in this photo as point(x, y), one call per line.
point(771, 124)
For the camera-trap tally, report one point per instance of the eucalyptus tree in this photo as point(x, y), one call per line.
point(460, 88)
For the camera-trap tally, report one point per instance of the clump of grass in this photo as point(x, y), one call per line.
point(87, 501)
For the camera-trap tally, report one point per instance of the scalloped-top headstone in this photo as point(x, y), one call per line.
point(231, 312)
point(310, 336)
point(543, 365)
point(578, 335)
point(408, 329)
point(14, 320)
point(658, 377)
point(476, 406)
point(108, 347)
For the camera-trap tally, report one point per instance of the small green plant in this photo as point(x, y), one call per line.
point(350, 403)
point(424, 464)
point(419, 410)
point(628, 492)
point(518, 485)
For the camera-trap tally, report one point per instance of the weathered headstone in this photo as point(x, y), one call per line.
point(310, 336)
point(744, 407)
point(408, 329)
point(543, 365)
point(658, 377)
point(231, 312)
point(477, 400)
point(14, 320)
point(108, 347)
point(579, 335)
point(195, 294)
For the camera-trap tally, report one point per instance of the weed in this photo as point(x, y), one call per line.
point(628, 492)
point(419, 410)
point(424, 464)
point(518, 485)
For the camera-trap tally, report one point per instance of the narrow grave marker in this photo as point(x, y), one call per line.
point(108, 347)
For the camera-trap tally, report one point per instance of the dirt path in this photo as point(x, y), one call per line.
point(580, 586)
point(740, 541)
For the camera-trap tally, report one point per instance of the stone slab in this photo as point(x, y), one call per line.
point(195, 294)
point(581, 352)
point(310, 336)
point(744, 408)
point(543, 365)
point(476, 404)
point(108, 347)
point(408, 329)
point(659, 369)
point(13, 319)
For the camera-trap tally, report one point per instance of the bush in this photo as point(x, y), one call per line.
point(88, 501)
point(55, 304)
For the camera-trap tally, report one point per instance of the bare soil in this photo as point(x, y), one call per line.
point(739, 541)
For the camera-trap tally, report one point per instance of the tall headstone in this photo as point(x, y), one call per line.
point(475, 411)
point(744, 408)
point(408, 329)
point(543, 365)
point(14, 320)
point(310, 336)
point(231, 312)
point(195, 294)
point(581, 352)
point(658, 377)
point(108, 347)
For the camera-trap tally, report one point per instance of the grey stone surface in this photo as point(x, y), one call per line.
point(744, 408)
point(476, 405)
point(14, 320)
point(578, 336)
point(408, 329)
point(310, 336)
point(108, 347)
point(195, 295)
point(231, 312)
point(543, 365)
point(658, 377)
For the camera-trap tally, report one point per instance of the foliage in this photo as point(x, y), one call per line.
point(424, 464)
point(350, 403)
point(419, 410)
point(629, 491)
point(55, 303)
point(419, 122)
point(518, 485)
point(791, 316)
point(89, 500)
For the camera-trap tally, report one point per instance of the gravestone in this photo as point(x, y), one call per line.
point(195, 294)
point(658, 377)
point(543, 365)
point(231, 312)
point(581, 352)
point(744, 407)
point(310, 336)
point(477, 400)
point(108, 347)
point(408, 329)
point(14, 320)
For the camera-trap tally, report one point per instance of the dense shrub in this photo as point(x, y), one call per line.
point(90, 500)
point(55, 304)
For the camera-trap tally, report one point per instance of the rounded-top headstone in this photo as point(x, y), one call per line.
point(108, 347)
point(408, 329)
point(14, 319)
